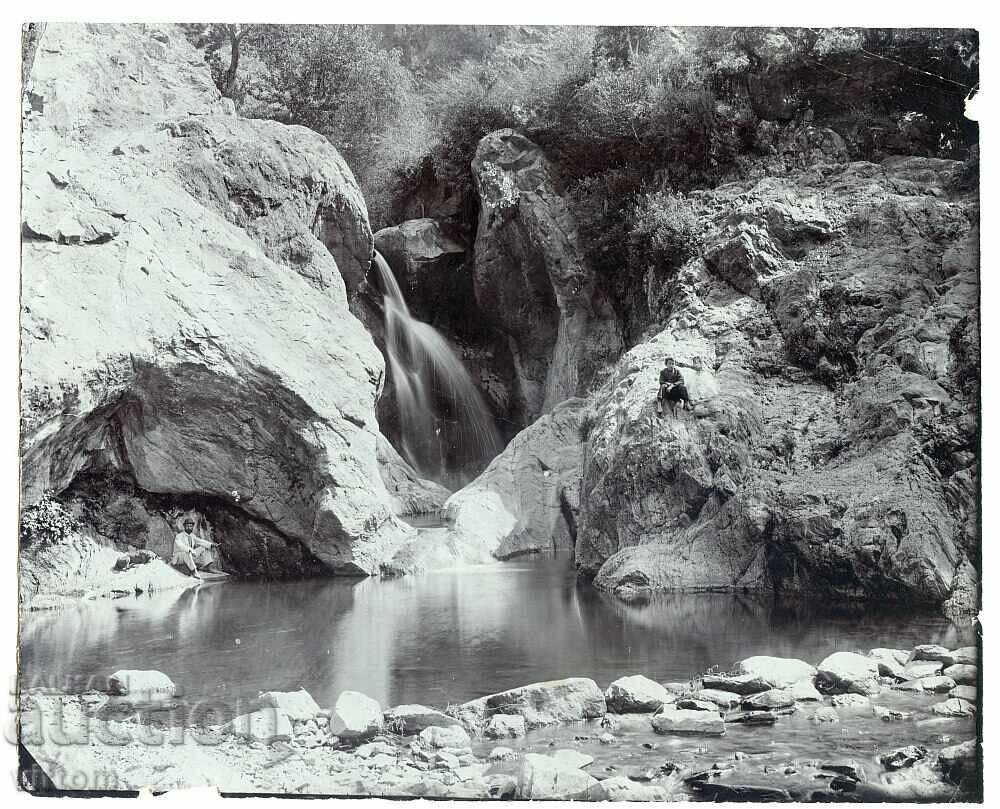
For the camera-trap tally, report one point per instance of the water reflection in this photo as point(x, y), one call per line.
point(440, 638)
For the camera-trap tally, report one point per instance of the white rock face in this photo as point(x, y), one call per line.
point(778, 672)
point(700, 723)
point(547, 778)
point(146, 686)
point(547, 703)
point(185, 315)
point(266, 725)
point(637, 694)
point(850, 672)
point(453, 736)
point(503, 726)
point(299, 706)
point(355, 716)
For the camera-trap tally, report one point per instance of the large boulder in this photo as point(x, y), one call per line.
point(355, 717)
point(637, 694)
point(777, 672)
point(142, 686)
point(409, 493)
point(549, 778)
point(540, 704)
point(848, 672)
point(410, 720)
point(185, 323)
point(688, 722)
point(532, 279)
point(299, 706)
point(828, 345)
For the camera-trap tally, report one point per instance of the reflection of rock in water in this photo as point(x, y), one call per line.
point(444, 421)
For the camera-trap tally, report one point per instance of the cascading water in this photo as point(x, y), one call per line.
point(442, 414)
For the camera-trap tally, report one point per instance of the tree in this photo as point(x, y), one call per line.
point(213, 38)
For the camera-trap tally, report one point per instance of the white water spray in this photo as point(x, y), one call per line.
point(442, 414)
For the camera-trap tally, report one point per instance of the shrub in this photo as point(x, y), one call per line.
point(664, 231)
point(47, 522)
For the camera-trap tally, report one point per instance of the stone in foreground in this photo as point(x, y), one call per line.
point(967, 692)
point(962, 673)
point(504, 726)
point(844, 672)
point(636, 694)
point(931, 652)
point(724, 699)
point(355, 716)
point(409, 720)
point(769, 700)
point(966, 656)
point(777, 672)
point(621, 788)
point(145, 686)
point(299, 706)
point(454, 736)
point(742, 684)
point(701, 723)
point(545, 778)
point(954, 707)
point(547, 703)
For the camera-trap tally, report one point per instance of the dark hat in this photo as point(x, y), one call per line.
point(189, 521)
point(668, 359)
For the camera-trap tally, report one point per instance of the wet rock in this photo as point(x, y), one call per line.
point(607, 738)
point(890, 661)
point(503, 726)
point(501, 786)
point(724, 699)
point(540, 704)
point(409, 720)
point(621, 788)
point(502, 754)
point(769, 700)
point(545, 778)
point(850, 701)
point(764, 718)
point(740, 792)
point(804, 691)
point(355, 716)
point(141, 686)
point(931, 652)
point(916, 686)
point(408, 492)
point(966, 656)
point(848, 769)
point(826, 714)
point(451, 736)
point(958, 761)
point(266, 725)
point(962, 674)
point(937, 685)
point(742, 684)
point(636, 694)
point(299, 706)
point(691, 704)
point(919, 669)
point(903, 757)
point(777, 672)
point(703, 723)
point(889, 714)
point(954, 707)
point(849, 672)
point(967, 692)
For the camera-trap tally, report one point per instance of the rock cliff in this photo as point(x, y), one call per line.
point(185, 322)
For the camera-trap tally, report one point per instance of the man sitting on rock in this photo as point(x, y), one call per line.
point(191, 550)
point(672, 388)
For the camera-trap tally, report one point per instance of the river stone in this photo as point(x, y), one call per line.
point(636, 694)
point(692, 704)
point(572, 758)
point(266, 725)
point(546, 778)
point(502, 754)
point(958, 761)
point(141, 686)
point(967, 692)
point(741, 793)
point(890, 661)
point(850, 701)
point(409, 720)
point(724, 699)
point(848, 768)
point(938, 684)
point(621, 788)
point(355, 716)
point(703, 723)
point(903, 757)
point(966, 656)
point(777, 672)
point(954, 707)
point(889, 714)
point(299, 706)
point(825, 714)
point(546, 703)
point(804, 691)
point(849, 672)
point(769, 700)
point(742, 684)
point(962, 674)
point(910, 685)
point(931, 652)
point(922, 668)
point(452, 736)
point(504, 726)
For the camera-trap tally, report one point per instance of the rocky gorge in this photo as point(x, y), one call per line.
point(203, 338)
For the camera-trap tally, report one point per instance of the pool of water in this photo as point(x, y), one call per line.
point(440, 638)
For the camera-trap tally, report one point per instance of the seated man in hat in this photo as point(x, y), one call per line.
point(191, 550)
point(672, 388)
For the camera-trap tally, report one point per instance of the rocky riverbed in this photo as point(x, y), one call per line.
point(888, 724)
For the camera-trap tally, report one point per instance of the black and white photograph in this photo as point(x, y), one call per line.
point(578, 412)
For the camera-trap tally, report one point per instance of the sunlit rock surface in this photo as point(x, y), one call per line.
point(185, 319)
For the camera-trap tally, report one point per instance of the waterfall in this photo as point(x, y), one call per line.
point(442, 414)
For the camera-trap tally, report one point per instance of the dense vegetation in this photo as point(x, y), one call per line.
point(632, 117)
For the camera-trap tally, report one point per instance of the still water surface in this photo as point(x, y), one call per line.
point(442, 637)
